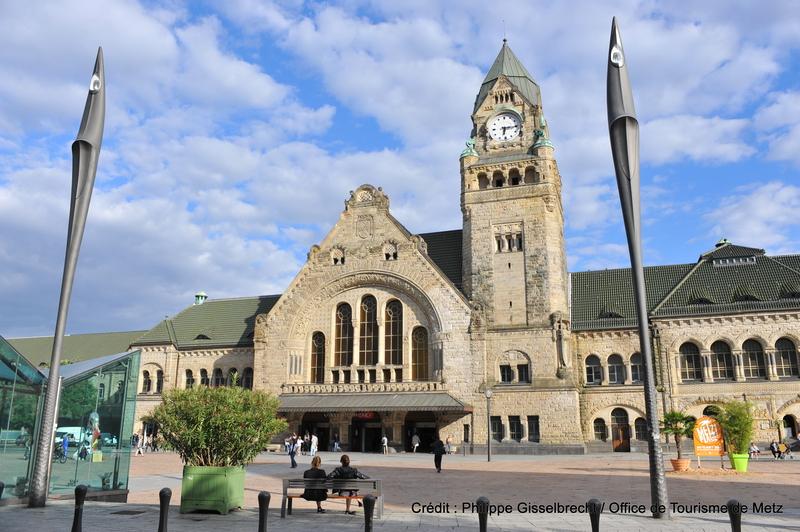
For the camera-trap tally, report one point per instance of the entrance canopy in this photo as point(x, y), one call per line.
point(354, 402)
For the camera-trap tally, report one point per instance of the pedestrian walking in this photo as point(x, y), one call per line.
point(294, 445)
point(336, 447)
point(449, 444)
point(314, 444)
point(139, 445)
point(438, 452)
point(385, 444)
point(415, 441)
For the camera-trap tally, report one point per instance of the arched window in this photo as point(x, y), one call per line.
point(393, 342)
point(600, 431)
point(343, 351)
point(390, 251)
point(483, 181)
point(146, 382)
point(616, 370)
point(189, 379)
point(318, 358)
point(786, 358)
point(497, 179)
point(204, 381)
point(721, 361)
point(514, 177)
point(368, 337)
point(619, 416)
point(159, 381)
point(754, 365)
point(247, 378)
point(640, 428)
point(530, 175)
point(219, 379)
point(419, 354)
point(101, 391)
point(594, 373)
point(233, 377)
point(691, 367)
point(637, 368)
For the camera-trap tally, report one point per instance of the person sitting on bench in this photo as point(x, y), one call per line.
point(317, 495)
point(345, 472)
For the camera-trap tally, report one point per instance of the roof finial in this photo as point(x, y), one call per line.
point(504, 31)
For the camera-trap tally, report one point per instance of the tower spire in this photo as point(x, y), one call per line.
point(506, 64)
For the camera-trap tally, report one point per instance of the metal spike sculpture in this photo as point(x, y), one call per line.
point(85, 152)
point(623, 129)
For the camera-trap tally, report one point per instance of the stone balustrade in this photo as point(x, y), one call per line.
point(355, 387)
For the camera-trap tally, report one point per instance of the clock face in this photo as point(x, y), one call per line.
point(505, 126)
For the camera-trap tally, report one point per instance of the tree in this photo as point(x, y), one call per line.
point(679, 426)
point(224, 426)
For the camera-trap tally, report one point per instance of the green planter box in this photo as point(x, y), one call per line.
point(740, 462)
point(212, 488)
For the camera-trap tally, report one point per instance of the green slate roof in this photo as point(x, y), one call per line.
point(217, 322)
point(506, 64)
point(77, 347)
point(444, 249)
point(716, 284)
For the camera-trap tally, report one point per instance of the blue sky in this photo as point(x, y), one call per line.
point(235, 131)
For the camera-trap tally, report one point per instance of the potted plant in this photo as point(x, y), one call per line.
point(678, 425)
point(736, 419)
point(216, 432)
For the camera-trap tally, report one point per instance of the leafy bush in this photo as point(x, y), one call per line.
point(678, 425)
point(736, 418)
point(225, 426)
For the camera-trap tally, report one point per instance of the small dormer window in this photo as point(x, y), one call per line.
point(202, 336)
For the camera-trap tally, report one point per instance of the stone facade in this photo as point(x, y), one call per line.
point(372, 314)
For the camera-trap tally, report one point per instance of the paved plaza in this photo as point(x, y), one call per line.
point(518, 481)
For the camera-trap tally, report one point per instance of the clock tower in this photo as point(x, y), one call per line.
point(514, 258)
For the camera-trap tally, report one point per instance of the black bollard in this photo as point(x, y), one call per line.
point(594, 507)
point(263, 508)
point(2, 487)
point(163, 511)
point(483, 513)
point(735, 515)
point(369, 509)
point(80, 498)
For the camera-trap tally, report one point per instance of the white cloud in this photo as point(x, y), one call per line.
point(760, 215)
point(698, 138)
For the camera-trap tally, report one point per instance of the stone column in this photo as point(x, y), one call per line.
point(708, 375)
point(604, 371)
point(628, 374)
point(356, 344)
point(381, 346)
point(772, 369)
point(738, 367)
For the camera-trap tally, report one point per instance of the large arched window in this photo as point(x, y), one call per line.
point(393, 342)
point(219, 379)
point(721, 361)
point(343, 352)
point(233, 377)
point(419, 354)
point(616, 370)
point(247, 378)
point(189, 379)
point(147, 384)
point(159, 381)
point(594, 373)
point(786, 358)
point(691, 366)
point(754, 365)
point(600, 431)
point(368, 334)
point(204, 381)
point(318, 358)
point(637, 368)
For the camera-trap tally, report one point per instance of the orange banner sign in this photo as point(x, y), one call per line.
point(708, 439)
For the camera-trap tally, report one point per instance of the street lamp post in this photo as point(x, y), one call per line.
point(488, 394)
point(623, 128)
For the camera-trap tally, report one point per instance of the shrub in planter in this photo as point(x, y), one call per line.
point(216, 432)
point(679, 426)
point(736, 418)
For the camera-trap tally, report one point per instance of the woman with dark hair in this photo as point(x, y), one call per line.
point(345, 472)
point(317, 495)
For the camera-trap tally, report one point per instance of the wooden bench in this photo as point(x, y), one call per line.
point(371, 486)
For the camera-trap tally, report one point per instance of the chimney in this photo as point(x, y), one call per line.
point(200, 297)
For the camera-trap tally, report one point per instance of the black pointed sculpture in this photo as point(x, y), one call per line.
point(623, 129)
point(85, 152)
